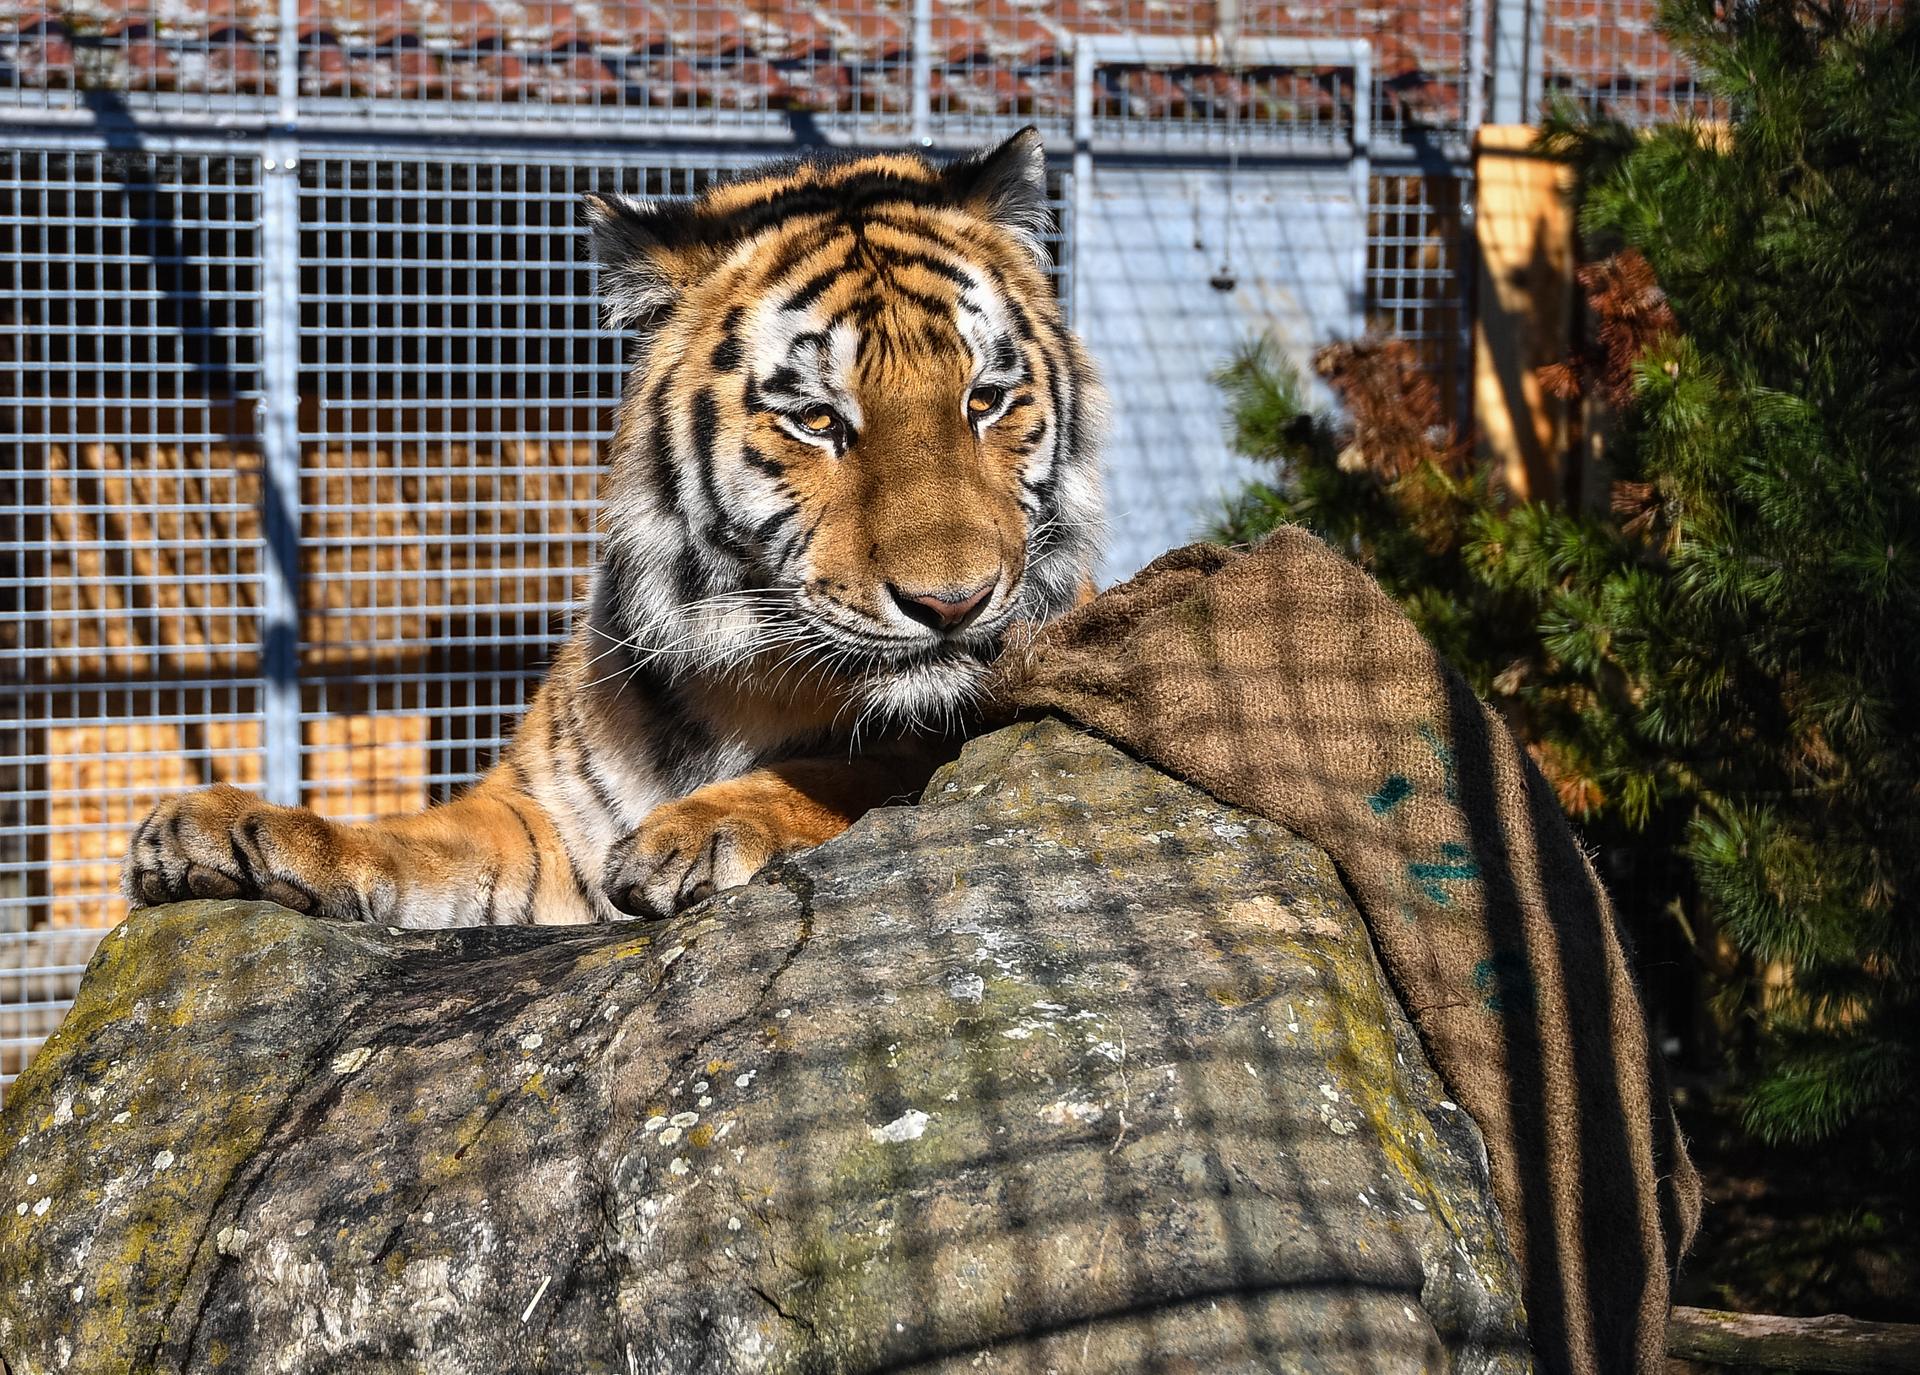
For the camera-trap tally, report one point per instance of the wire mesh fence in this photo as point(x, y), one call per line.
point(303, 431)
point(852, 68)
point(455, 390)
point(451, 390)
point(1417, 270)
point(1606, 57)
point(1609, 58)
point(129, 382)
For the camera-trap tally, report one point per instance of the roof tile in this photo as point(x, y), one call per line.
point(782, 29)
point(1003, 56)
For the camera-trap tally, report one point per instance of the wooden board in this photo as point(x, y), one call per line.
point(1524, 233)
point(102, 779)
point(1763, 1340)
point(148, 557)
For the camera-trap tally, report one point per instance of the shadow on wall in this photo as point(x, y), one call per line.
point(1151, 241)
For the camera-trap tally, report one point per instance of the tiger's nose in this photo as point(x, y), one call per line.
point(946, 610)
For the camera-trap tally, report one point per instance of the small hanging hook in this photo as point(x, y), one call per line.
point(1226, 278)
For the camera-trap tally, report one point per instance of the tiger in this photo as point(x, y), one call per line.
point(856, 457)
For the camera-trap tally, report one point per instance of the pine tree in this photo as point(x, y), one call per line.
point(1767, 606)
point(1721, 674)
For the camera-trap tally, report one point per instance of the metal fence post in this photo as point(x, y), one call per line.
point(286, 51)
point(1518, 61)
point(1476, 104)
point(280, 448)
point(923, 72)
point(1362, 168)
point(1083, 72)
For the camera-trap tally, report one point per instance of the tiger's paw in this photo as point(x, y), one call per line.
point(221, 842)
point(686, 851)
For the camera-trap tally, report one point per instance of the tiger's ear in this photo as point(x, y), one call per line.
point(649, 252)
point(1007, 185)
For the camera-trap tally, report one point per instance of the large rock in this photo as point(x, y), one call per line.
point(1070, 1067)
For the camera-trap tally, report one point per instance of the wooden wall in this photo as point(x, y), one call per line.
point(144, 570)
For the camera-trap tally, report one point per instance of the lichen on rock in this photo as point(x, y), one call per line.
point(1070, 1065)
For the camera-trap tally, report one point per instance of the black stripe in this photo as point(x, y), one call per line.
point(795, 542)
point(753, 458)
point(582, 765)
point(796, 252)
point(706, 434)
point(250, 831)
point(755, 400)
point(802, 541)
point(579, 884)
point(1063, 417)
point(720, 530)
point(926, 262)
point(682, 746)
point(784, 379)
point(1068, 447)
point(533, 884)
point(690, 575)
point(493, 879)
point(728, 353)
point(931, 233)
point(665, 477)
point(817, 286)
point(866, 306)
point(1022, 323)
point(861, 197)
point(939, 337)
point(616, 574)
point(764, 532)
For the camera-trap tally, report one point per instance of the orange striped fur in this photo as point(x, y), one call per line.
point(857, 452)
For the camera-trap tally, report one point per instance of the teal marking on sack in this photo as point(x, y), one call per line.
point(1392, 793)
point(1505, 983)
point(1456, 866)
point(1461, 869)
point(1444, 753)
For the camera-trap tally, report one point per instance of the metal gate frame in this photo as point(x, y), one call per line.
point(1355, 55)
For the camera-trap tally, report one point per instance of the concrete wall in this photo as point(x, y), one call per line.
point(1147, 244)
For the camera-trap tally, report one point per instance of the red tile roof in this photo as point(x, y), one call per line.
point(991, 57)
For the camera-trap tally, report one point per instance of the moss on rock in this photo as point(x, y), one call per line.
point(1070, 1063)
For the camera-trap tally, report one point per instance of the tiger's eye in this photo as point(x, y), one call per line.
point(819, 420)
point(981, 400)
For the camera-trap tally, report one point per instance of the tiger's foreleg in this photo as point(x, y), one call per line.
point(491, 855)
point(722, 834)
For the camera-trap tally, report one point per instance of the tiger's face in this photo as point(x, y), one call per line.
point(860, 440)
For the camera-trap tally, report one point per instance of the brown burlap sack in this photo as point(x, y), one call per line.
point(1285, 681)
